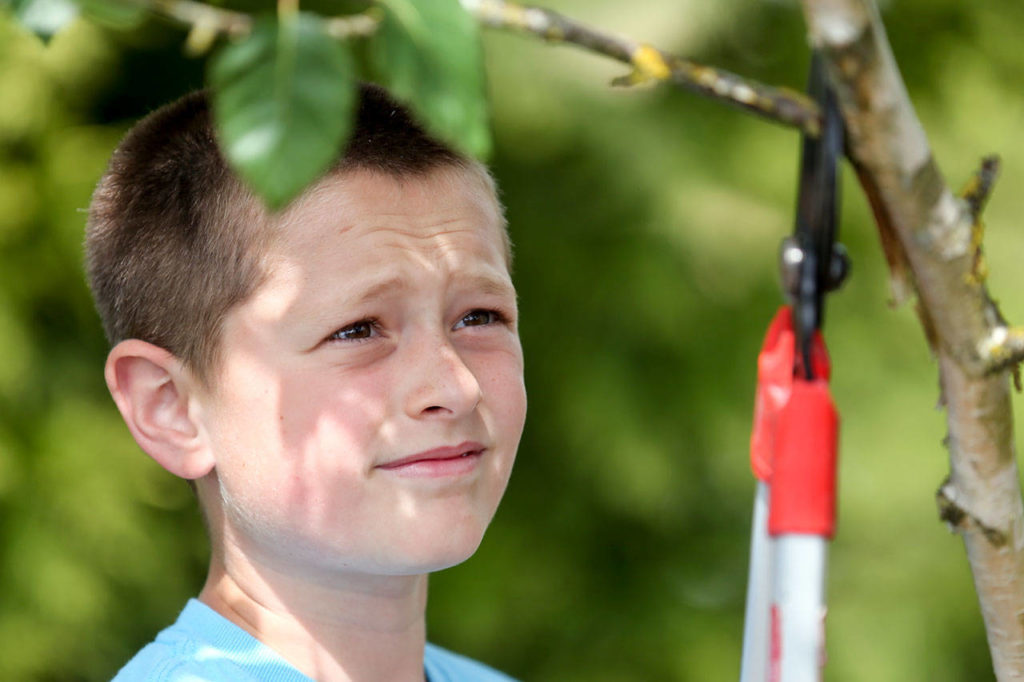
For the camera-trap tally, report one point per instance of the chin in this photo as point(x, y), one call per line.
point(446, 551)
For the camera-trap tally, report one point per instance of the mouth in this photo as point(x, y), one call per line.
point(437, 462)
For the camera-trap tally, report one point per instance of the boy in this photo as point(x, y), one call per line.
point(341, 382)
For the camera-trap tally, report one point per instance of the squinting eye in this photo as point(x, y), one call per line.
point(363, 329)
point(479, 318)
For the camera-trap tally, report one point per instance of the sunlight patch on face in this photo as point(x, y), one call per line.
point(271, 303)
point(337, 196)
point(315, 413)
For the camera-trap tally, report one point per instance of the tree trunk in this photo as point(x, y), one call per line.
point(932, 241)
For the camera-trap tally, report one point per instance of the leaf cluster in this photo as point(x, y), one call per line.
point(284, 91)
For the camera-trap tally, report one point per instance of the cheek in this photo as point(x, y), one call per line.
point(502, 381)
point(297, 457)
point(290, 435)
point(329, 436)
point(331, 415)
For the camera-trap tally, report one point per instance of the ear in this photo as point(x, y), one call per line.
point(154, 394)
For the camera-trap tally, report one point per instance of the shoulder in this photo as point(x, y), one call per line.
point(171, 657)
point(444, 666)
point(202, 645)
point(158, 663)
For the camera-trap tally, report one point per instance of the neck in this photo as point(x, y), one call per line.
point(353, 628)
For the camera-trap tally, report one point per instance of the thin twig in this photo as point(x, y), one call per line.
point(353, 26)
point(776, 104)
point(207, 18)
point(780, 105)
point(979, 187)
point(1002, 348)
point(975, 196)
point(190, 13)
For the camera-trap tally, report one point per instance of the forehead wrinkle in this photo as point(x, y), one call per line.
point(434, 239)
point(396, 284)
point(334, 199)
point(437, 239)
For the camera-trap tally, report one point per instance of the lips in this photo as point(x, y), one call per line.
point(438, 461)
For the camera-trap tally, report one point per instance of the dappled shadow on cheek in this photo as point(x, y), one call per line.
point(330, 433)
point(339, 410)
point(347, 513)
point(334, 423)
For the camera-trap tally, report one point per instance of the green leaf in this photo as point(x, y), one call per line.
point(429, 54)
point(44, 17)
point(283, 104)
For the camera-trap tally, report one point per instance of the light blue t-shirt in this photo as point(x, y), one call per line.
point(203, 646)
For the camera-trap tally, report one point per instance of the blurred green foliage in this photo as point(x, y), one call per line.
point(646, 225)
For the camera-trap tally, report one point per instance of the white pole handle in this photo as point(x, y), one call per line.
point(797, 641)
point(756, 624)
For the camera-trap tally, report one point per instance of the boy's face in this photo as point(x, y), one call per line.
point(370, 399)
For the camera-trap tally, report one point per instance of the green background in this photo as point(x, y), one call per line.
point(646, 224)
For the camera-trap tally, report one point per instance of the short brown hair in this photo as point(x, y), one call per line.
point(174, 240)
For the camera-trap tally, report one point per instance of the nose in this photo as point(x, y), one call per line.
point(438, 381)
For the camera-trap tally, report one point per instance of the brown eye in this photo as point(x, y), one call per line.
point(363, 329)
point(479, 318)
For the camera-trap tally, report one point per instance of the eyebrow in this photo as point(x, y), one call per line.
point(481, 283)
point(478, 282)
point(488, 285)
point(396, 284)
point(390, 285)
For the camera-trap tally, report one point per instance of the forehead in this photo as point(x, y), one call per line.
point(364, 234)
point(363, 207)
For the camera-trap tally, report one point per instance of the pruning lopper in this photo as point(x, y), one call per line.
point(795, 434)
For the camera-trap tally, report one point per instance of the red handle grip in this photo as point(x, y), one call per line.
point(803, 478)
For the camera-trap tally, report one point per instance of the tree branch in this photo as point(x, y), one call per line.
point(194, 14)
point(938, 235)
point(209, 21)
point(780, 105)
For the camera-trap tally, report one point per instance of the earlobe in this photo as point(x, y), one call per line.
point(151, 390)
